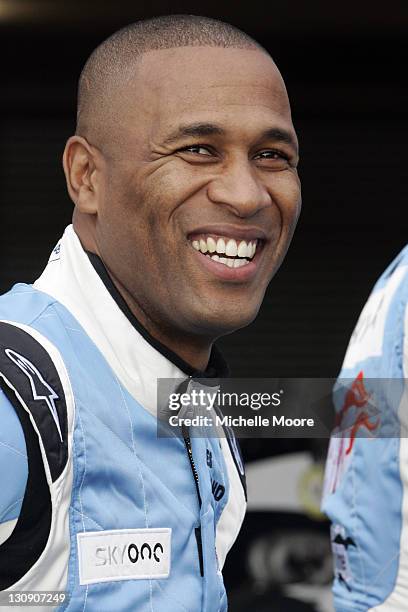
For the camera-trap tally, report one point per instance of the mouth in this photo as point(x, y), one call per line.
point(226, 251)
point(231, 258)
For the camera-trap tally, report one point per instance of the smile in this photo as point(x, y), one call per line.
point(224, 250)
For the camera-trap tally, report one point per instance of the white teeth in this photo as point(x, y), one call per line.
point(231, 248)
point(242, 249)
point(203, 246)
point(228, 246)
point(220, 245)
point(230, 263)
point(211, 244)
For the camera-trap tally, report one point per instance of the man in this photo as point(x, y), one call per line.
point(366, 479)
point(183, 176)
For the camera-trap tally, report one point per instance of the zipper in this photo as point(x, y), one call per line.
point(187, 442)
point(199, 539)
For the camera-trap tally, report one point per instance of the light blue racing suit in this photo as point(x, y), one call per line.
point(366, 482)
point(116, 517)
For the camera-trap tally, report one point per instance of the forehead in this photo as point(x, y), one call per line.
point(206, 83)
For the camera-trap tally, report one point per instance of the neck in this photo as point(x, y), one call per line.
point(192, 349)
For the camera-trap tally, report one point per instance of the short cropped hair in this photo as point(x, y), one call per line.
point(109, 61)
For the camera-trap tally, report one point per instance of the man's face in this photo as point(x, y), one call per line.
point(201, 193)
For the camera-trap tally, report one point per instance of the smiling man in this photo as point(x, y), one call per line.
point(183, 175)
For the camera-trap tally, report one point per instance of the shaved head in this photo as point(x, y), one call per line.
point(114, 63)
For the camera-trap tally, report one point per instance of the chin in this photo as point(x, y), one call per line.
point(221, 322)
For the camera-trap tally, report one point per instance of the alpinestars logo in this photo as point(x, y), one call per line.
point(40, 389)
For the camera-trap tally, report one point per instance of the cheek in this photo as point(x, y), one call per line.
point(286, 193)
point(175, 182)
point(146, 218)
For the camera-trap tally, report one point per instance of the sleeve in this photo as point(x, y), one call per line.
point(13, 467)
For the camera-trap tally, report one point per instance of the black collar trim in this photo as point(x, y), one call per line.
point(217, 366)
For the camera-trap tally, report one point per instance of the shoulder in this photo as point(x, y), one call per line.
point(24, 303)
point(382, 325)
point(34, 379)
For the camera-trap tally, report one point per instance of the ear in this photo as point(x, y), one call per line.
point(81, 164)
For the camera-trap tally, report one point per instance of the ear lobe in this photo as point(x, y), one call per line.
point(81, 174)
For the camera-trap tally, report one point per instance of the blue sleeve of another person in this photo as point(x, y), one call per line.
point(13, 467)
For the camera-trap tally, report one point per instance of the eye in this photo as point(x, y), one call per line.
point(196, 149)
point(272, 154)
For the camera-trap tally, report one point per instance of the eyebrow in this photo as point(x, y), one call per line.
point(212, 129)
point(195, 129)
point(280, 135)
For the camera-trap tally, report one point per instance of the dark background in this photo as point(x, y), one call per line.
point(345, 68)
point(346, 76)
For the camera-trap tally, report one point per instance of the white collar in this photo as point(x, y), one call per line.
point(70, 278)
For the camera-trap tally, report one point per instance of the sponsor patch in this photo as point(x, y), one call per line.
point(357, 416)
point(124, 554)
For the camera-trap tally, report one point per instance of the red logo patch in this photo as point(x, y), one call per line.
point(356, 413)
point(358, 397)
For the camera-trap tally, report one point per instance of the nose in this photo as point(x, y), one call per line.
point(240, 188)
